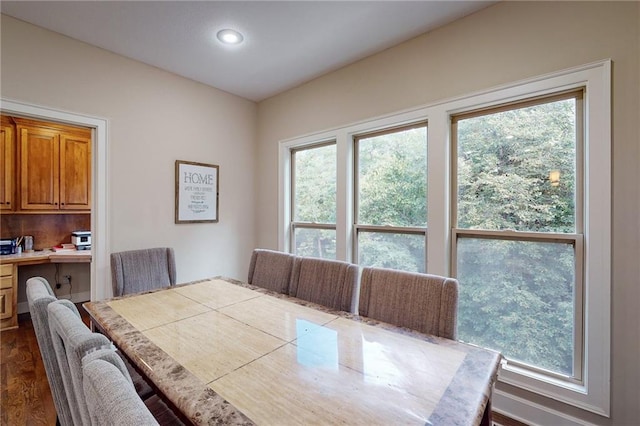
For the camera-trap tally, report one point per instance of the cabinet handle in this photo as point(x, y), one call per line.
point(2, 305)
point(62, 204)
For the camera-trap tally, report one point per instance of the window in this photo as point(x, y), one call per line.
point(518, 231)
point(518, 203)
point(313, 227)
point(391, 198)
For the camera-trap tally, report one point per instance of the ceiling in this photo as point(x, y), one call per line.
point(286, 43)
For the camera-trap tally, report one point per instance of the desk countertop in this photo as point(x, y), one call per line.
point(47, 256)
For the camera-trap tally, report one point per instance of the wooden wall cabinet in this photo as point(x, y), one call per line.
point(7, 164)
point(75, 172)
point(54, 163)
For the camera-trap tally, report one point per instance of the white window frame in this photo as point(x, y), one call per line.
point(574, 238)
point(593, 393)
point(380, 229)
point(301, 224)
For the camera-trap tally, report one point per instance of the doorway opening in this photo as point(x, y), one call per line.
point(100, 271)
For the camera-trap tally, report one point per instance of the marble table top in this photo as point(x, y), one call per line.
point(225, 352)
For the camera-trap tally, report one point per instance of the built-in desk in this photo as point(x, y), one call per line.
point(9, 277)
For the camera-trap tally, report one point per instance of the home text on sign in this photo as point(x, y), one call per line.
point(192, 177)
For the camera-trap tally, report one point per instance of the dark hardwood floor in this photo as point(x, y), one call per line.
point(26, 398)
point(502, 420)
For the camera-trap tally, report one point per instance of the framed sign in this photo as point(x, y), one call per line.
point(196, 192)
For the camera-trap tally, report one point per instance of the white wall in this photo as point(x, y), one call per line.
point(505, 43)
point(154, 118)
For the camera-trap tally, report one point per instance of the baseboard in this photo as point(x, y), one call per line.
point(531, 413)
point(23, 307)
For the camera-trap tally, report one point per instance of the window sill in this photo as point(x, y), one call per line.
point(565, 391)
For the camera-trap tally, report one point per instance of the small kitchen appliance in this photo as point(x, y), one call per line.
point(81, 239)
point(7, 246)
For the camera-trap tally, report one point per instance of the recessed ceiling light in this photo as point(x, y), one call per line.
point(230, 36)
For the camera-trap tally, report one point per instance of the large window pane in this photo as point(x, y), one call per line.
point(517, 169)
point(315, 242)
point(392, 178)
point(396, 251)
point(518, 297)
point(314, 172)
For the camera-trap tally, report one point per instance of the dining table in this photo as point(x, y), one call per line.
point(221, 351)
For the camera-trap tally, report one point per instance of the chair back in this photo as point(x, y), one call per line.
point(422, 302)
point(331, 283)
point(271, 269)
point(136, 271)
point(109, 392)
point(39, 296)
point(72, 339)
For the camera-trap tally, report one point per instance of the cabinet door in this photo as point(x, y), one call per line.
point(39, 168)
point(6, 304)
point(6, 166)
point(8, 296)
point(75, 172)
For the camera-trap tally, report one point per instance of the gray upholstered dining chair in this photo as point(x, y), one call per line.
point(271, 269)
point(39, 296)
point(422, 302)
point(331, 283)
point(72, 339)
point(135, 271)
point(109, 392)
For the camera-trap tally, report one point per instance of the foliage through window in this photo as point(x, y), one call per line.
point(518, 231)
point(314, 201)
point(391, 198)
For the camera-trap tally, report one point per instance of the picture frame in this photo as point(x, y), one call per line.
point(196, 192)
